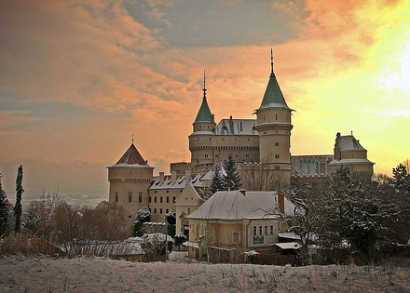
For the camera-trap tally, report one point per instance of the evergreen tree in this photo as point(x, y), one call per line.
point(217, 183)
point(355, 216)
point(19, 193)
point(4, 209)
point(232, 180)
point(401, 178)
point(143, 215)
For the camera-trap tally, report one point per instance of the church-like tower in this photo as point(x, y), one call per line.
point(274, 127)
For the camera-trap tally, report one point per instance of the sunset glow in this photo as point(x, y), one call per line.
point(79, 78)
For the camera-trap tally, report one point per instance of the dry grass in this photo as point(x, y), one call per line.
point(83, 274)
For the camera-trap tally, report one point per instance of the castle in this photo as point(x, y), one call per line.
point(259, 146)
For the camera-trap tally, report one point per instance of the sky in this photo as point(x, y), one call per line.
point(80, 79)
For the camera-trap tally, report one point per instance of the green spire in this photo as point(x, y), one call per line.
point(204, 113)
point(273, 95)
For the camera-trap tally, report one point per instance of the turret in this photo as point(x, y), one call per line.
point(274, 127)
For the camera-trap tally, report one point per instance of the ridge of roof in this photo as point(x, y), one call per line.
point(132, 157)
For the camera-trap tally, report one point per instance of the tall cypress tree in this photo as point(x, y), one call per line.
point(4, 209)
point(19, 193)
point(232, 180)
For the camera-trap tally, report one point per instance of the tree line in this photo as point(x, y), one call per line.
point(352, 219)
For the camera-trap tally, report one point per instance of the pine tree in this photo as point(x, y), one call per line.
point(4, 209)
point(401, 178)
point(217, 183)
point(232, 180)
point(19, 193)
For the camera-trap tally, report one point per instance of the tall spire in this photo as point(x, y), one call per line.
point(271, 61)
point(273, 95)
point(204, 89)
point(204, 113)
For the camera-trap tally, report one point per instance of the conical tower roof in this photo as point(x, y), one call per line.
point(273, 97)
point(204, 113)
point(132, 157)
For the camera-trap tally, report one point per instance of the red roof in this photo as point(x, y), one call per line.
point(132, 157)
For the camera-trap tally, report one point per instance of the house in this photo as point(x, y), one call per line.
point(230, 223)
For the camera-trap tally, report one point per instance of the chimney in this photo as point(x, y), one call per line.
point(243, 191)
point(281, 202)
point(187, 176)
point(173, 177)
point(161, 178)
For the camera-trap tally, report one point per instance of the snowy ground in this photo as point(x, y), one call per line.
point(86, 274)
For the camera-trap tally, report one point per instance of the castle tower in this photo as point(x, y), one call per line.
point(129, 180)
point(203, 127)
point(349, 153)
point(274, 127)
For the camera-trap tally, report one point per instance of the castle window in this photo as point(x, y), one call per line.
point(174, 198)
point(140, 197)
point(277, 156)
point(155, 199)
point(160, 199)
point(236, 156)
point(276, 143)
point(189, 211)
point(271, 230)
point(116, 196)
point(266, 230)
point(247, 156)
point(155, 211)
point(254, 230)
point(277, 168)
point(167, 199)
point(206, 156)
point(129, 196)
point(260, 230)
point(276, 116)
point(167, 211)
point(150, 198)
point(160, 211)
point(235, 237)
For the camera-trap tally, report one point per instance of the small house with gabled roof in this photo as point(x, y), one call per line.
point(230, 223)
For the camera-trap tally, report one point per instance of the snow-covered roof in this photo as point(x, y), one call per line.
point(178, 183)
point(349, 143)
point(350, 161)
point(103, 248)
point(236, 127)
point(234, 205)
point(131, 158)
point(191, 244)
point(289, 245)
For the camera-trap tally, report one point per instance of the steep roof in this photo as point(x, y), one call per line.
point(234, 205)
point(273, 97)
point(236, 127)
point(349, 142)
point(132, 157)
point(204, 113)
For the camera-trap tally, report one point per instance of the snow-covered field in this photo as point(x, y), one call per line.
point(87, 274)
